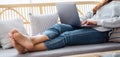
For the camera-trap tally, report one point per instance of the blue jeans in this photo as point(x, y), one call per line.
point(61, 35)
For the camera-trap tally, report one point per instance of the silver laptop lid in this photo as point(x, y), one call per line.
point(68, 14)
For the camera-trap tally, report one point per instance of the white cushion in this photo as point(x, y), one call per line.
point(42, 22)
point(115, 35)
point(6, 27)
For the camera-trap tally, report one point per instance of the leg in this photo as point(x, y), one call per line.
point(38, 47)
point(48, 34)
point(56, 30)
point(38, 39)
point(85, 36)
point(77, 37)
point(51, 33)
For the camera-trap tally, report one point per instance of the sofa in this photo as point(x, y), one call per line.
point(69, 50)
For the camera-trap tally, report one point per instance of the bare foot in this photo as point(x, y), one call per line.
point(23, 40)
point(17, 46)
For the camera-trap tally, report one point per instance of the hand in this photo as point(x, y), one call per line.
point(89, 22)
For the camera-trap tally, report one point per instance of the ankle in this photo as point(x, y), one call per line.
point(38, 39)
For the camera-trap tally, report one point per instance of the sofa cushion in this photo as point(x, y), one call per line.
point(70, 50)
point(40, 23)
point(6, 27)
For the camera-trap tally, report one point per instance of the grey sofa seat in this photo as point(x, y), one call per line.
point(70, 50)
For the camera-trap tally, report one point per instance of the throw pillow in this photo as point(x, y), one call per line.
point(6, 27)
point(42, 22)
point(115, 35)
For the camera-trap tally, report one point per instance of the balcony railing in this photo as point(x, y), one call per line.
point(12, 11)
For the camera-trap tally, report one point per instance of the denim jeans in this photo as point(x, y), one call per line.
point(61, 35)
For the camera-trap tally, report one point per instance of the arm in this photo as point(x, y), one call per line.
point(88, 15)
point(111, 23)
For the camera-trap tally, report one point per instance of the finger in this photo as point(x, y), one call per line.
point(84, 22)
point(87, 23)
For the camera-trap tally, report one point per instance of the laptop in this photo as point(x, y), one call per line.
point(68, 15)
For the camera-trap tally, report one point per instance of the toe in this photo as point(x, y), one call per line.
point(12, 42)
point(14, 31)
point(10, 35)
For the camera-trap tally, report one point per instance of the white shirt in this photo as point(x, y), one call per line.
point(107, 17)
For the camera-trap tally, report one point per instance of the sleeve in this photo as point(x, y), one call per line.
point(86, 16)
point(111, 22)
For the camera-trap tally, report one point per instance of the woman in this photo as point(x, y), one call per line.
point(106, 14)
